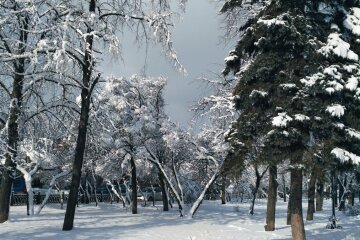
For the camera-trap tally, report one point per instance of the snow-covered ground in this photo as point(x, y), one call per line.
point(212, 221)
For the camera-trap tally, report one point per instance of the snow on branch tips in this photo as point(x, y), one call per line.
point(336, 110)
point(281, 120)
point(345, 156)
point(352, 21)
point(338, 47)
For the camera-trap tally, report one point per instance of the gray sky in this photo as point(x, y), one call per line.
point(196, 40)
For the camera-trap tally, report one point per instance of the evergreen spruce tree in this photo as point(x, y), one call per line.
point(298, 80)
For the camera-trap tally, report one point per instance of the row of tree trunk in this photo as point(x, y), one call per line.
point(294, 218)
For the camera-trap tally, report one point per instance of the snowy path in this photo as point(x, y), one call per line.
point(212, 222)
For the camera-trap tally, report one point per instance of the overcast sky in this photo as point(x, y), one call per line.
point(198, 44)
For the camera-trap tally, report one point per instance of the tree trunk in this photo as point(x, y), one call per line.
point(311, 195)
point(284, 187)
point(133, 186)
point(351, 196)
point(255, 190)
point(164, 192)
point(223, 190)
point(95, 188)
point(13, 120)
point(319, 193)
point(81, 138)
point(178, 199)
point(272, 196)
point(342, 193)
point(86, 187)
point(335, 191)
point(199, 200)
point(297, 222)
point(288, 215)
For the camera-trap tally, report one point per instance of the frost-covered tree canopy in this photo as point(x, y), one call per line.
point(298, 71)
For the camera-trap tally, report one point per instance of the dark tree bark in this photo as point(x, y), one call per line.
point(272, 196)
point(288, 215)
point(335, 191)
point(95, 188)
point(86, 188)
point(311, 195)
point(13, 128)
point(77, 164)
point(284, 187)
point(342, 193)
point(133, 186)
point(319, 193)
point(82, 128)
point(223, 190)
point(165, 198)
point(256, 188)
point(351, 196)
point(297, 222)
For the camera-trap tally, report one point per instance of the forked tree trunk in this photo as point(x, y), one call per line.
point(319, 193)
point(254, 192)
point(256, 188)
point(297, 222)
point(272, 196)
point(82, 129)
point(133, 186)
point(311, 195)
point(9, 167)
point(175, 193)
point(199, 200)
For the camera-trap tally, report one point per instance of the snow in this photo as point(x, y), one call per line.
point(212, 222)
point(352, 83)
point(336, 110)
point(231, 58)
point(353, 133)
point(255, 93)
point(340, 125)
point(287, 86)
point(325, 8)
point(345, 156)
point(311, 80)
point(335, 27)
point(281, 120)
point(334, 86)
point(352, 21)
point(301, 117)
point(333, 72)
point(262, 39)
point(271, 22)
point(42, 44)
point(335, 45)
point(350, 68)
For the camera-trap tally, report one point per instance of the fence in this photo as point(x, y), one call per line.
point(21, 199)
